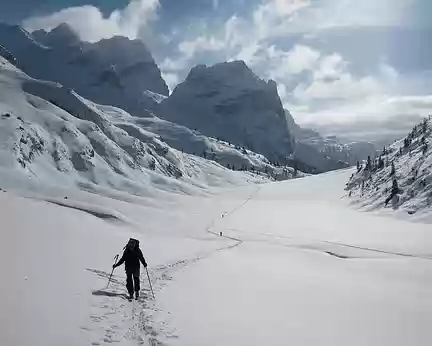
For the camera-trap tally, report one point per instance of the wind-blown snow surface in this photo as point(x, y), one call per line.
point(295, 266)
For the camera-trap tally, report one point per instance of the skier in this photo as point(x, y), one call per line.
point(394, 191)
point(132, 256)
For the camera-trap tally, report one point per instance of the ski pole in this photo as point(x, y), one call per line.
point(151, 288)
point(115, 261)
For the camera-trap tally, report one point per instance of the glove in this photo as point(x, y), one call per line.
point(114, 266)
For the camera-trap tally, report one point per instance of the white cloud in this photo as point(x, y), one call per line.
point(188, 50)
point(337, 13)
point(345, 87)
point(333, 81)
point(234, 32)
point(242, 38)
point(169, 64)
point(171, 79)
point(284, 64)
point(302, 58)
point(335, 101)
point(282, 91)
point(373, 110)
point(377, 118)
point(200, 44)
point(330, 67)
point(90, 24)
point(273, 17)
point(249, 54)
point(389, 73)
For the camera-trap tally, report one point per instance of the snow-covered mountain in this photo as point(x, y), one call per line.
point(122, 73)
point(325, 153)
point(117, 71)
point(406, 165)
point(228, 101)
point(52, 135)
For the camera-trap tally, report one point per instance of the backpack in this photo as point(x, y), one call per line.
point(132, 240)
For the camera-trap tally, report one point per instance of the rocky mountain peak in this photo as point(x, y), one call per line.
point(230, 102)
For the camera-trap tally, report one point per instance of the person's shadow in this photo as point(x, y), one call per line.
point(109, 294)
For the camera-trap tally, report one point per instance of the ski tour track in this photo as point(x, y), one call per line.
point(142, 327)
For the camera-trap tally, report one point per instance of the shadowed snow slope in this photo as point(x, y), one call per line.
point(294, 266)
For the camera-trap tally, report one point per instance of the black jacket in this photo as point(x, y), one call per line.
point(131, 259)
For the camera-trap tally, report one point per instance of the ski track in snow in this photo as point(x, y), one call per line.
point(320, 245)
point(143, 329)
point(109, 315)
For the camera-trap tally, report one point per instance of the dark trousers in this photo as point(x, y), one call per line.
point(133, 280)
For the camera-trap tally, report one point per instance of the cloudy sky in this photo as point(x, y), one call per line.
point(358, 69)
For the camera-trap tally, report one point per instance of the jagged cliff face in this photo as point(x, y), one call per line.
point(230, 102)
point(115, 71)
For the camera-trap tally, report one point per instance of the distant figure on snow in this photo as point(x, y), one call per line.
point(132, 256)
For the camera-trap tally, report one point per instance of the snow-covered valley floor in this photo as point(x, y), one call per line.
point(296, 265)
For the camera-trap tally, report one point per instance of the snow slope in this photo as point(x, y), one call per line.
point(228, 101)
point(51, 135)
point(277, 276)
point(337, 278)
point(412, 160)
point(195, 143)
